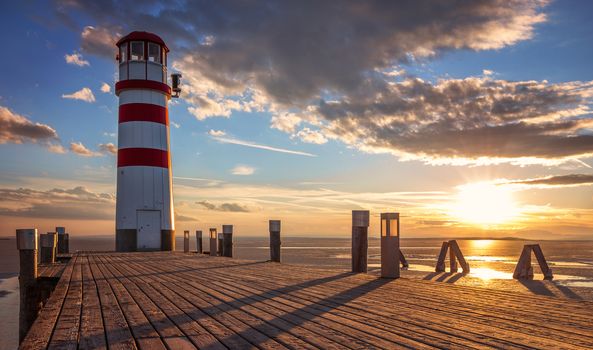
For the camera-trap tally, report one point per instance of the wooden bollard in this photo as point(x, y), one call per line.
point(219, 244)
point(390, 245)
point(360, 226)
point(27, 243)
point(227, 241)
point(524, 270)
point(199, 247)
point(275, 240)
point(186, 241)
point(63, 241)
point(213, 241)
point(48, 244)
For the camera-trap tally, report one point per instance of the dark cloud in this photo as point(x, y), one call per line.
point(294, 50)
point(471, 119)
point(230, 207)
point(76, 203)
point(559, 180)
point(15, 128)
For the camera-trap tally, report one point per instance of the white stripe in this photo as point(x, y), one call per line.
point(143, 188)
point(143, 135)
point(142, 96)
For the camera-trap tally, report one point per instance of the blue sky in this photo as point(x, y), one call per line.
point(36, 75)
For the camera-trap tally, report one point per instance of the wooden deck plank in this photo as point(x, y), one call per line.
point(164, 300)
point(92, 330)
point(42, 329)
point(117, 331)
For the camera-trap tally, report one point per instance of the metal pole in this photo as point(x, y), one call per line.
point(27, 243)
point(275, 240)
point(360, 226)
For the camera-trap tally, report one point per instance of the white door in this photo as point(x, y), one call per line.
point(149, 230)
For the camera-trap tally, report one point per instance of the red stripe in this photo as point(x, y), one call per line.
point(142, 84)
point(142, 157)
point(143, 112)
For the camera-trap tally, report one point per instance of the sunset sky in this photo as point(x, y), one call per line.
point(472, 119)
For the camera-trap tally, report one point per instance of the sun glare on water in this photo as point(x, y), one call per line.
point(485, 204)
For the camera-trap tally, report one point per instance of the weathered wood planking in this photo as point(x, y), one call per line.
point(166, 300)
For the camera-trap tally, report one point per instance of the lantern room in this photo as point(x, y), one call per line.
point(142, 56)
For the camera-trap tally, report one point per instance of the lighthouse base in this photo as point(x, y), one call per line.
point(126, 240)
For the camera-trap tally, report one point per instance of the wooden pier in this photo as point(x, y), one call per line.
point(164, 300)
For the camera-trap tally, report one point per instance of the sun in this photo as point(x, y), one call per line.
point(485, 204)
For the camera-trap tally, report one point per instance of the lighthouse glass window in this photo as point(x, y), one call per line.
point(123, 52)
point(137, 51)
point(154, 53)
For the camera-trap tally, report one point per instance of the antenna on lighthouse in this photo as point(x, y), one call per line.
point(176, 82)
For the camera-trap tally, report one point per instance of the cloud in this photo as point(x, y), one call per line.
point(216, 133)
point(243, 170)
point(85, 94)
point(185, 218)
point(105, 88)
point(487, 72)
point(81, 150)
point(75, 203)
point(15, 128)
point(229, 207)
point(311, 136)
point(476, 120)
point(295, 51)
point(570, 180)
point(76, 59)
point(100, 40)
point(259, 146)
point(108, 148)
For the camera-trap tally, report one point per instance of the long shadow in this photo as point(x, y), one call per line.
point(314, 309)
point(537, 287)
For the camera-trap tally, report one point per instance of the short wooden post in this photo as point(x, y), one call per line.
point(219, 244)
point(402, 260)
point(453, 261)
point(390, 245)
point(27, 243)
point(48, 244)
point(275, 240)
point(199, 247)
point(186, 241)
point(541, 260)
point(360, 226)
point(227, 241)
point(454, 250)
point(213, 241)
point(63, 241)
point(442, 255)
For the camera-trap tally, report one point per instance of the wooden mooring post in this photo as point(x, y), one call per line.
point(275, 240)
point(48, 243)
point(213, 241)
point(360, 244)
point(219, 244)
point(199, 247)
point(27, 243)
point(227, 241)
point(524, 270)
point(63, 240)
point(186, 241)
point(402, 260)
point(455, 255)
point(390, 245)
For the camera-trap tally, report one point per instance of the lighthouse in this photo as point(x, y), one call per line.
point(144, 205)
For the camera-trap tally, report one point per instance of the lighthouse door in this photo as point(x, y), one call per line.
point(149, 230)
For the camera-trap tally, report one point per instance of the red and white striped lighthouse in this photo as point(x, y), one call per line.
point(144, 210)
